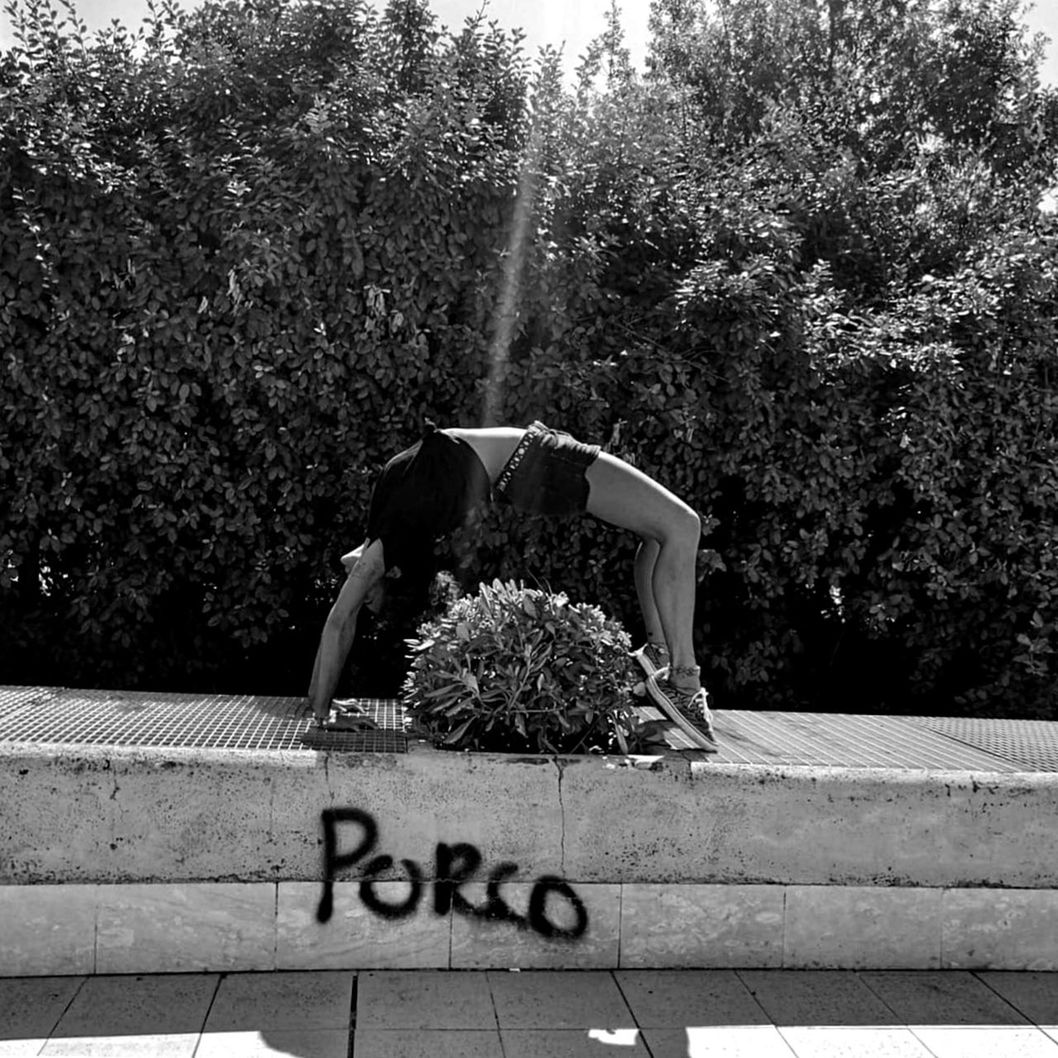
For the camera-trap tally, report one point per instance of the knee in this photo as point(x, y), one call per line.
point(684, 528)
point(690, 526)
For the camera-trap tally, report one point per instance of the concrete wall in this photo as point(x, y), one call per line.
point(143, 861)
point(92, 815)
point(229, 927)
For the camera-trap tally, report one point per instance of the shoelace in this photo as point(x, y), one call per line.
point(693, 703)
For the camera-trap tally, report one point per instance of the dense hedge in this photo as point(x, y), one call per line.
point(244, 252)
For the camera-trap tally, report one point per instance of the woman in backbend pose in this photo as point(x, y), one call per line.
point(428, 490)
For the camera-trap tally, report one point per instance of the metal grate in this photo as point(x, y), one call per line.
point(1030, 744)
point(134, 718)
point(845, 740)
point(137, 718)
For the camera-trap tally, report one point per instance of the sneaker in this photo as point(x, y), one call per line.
point(653, 659)
point(687, 710)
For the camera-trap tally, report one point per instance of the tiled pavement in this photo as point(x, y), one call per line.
point(535, 1014)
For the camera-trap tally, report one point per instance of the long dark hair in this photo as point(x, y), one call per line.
point(379, 662)
point(407, 601)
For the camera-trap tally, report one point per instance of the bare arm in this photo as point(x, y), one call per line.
point(340, 628)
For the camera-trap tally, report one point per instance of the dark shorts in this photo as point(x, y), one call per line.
point(545, 474)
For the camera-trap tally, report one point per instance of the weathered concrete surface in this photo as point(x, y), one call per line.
point(168, 815)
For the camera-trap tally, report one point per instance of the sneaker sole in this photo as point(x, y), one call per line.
point(691, 730)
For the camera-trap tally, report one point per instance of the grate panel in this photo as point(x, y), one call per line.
point(137, 718)
point(1032, 745)
point(844, 740)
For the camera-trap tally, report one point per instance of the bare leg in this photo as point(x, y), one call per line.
point(646, 560)
point(626, 497)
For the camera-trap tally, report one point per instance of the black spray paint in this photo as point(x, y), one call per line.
point(453, 866)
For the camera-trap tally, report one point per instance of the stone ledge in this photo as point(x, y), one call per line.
point(167, 859)
point(182, 928)
point(109, 815)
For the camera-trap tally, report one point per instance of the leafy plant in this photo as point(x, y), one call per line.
point(521, 669)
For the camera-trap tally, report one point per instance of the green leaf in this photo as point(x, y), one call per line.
point(456, 736)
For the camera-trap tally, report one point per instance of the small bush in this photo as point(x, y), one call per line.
point(520, 669)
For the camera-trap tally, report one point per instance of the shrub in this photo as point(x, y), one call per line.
point(521, 669)
point(246, 249)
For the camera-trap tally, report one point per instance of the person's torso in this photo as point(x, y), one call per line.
point(492, 445)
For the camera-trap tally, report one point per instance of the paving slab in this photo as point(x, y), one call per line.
point(572, 1043)
point(1034, 995)
point(817, 998)
point(946, 998)
point(28, 1047)
point(282, 1000)
point(710, 1041)
point(663, 998)
point(423, 999)
point(538, 999)
point(304, 1043)
point(129, 1017)
point(959, 1041)
point(32, 1006)
point(862, 1042)
point(162, 1004)
point(427, 1043)
point(139, 1045)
